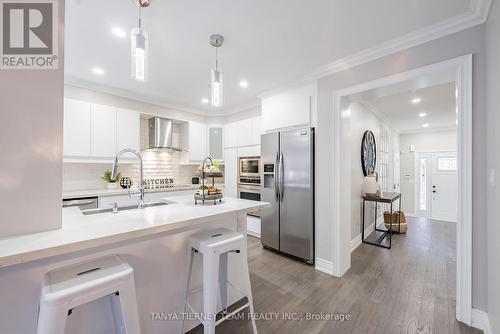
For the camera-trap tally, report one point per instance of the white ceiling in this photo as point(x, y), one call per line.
point(267, 43)
point(437, 102)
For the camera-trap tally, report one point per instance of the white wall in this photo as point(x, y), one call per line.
point(464, 42)
point(423, 142)
point(493, 85)
point(31, 115)
point(362, 119)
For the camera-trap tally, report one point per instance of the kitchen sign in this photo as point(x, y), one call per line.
point(29, 34)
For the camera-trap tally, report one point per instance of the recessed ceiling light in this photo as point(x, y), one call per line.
point(119, 32)
point(422, 114)
point(243, 84)
point(204, 100)
point(416, 100)
point(98, 71)
point(426, 125)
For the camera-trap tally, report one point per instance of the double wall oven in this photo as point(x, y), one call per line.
point(249, 179)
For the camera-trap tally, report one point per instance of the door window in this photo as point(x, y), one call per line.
point(447, 164)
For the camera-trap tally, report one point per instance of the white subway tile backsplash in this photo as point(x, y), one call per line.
point(87, 176)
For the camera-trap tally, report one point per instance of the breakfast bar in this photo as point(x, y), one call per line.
point(154, 241)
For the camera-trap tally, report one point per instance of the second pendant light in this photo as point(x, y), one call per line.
point(216, 81)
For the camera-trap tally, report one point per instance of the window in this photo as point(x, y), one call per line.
point(447, 164)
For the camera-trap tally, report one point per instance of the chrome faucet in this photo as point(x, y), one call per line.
point(132, 193)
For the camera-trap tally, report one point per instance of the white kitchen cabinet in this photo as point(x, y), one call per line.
point(197, 137)
point(231, 172)
point(256, 123)
point(244, 128)
point(128, 125)
point(76, 128)
point(249, 151)
point(292, 108)
point(253, 226)
point(103, 131)
point(230, 135)
point(245, 132)
point(215, 134)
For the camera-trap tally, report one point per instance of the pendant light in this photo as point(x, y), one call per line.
point(216, 82)
point(139, 48)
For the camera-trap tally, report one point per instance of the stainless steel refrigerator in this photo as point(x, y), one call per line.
point(287, 178)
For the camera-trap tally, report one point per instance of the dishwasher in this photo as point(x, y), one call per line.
point(83, 203)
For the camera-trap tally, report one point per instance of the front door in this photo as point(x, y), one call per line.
point(444, 186)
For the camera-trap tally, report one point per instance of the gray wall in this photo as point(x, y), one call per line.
point(363, 119)
point(31, 115)
point(493, 85)
point(465, 42)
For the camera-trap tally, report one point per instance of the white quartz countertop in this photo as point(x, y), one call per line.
point(120, 191)
point(81, 232)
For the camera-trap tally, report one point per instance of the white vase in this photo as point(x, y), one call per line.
point(111, 186)
point(370, 185)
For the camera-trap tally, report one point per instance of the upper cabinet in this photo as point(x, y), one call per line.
point(291, 108)
point(94, 132)
point(76, 128)
point(256, 123)
point(194, 141)
point(128, 129)
point(230, 135)
point(103, 131)
point(245, 132)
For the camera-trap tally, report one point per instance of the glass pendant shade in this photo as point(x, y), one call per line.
point(139, 49)
point(216, 88)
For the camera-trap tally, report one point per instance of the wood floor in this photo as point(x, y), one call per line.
point(409, 289)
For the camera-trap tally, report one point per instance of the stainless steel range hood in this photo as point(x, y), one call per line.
point(161, 132)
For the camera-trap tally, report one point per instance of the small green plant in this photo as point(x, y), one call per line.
point(216, 164)
point(107, 177)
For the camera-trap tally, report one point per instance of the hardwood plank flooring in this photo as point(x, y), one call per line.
point(408, 289)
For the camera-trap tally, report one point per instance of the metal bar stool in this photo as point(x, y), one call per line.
point(215, 245)
point(68, 287)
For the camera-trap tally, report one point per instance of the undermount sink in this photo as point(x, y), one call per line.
point(123, 208)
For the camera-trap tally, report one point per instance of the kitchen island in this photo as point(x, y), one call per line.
point(154, 241)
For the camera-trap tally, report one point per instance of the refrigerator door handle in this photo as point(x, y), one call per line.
point(276, 178)
point(282, 178)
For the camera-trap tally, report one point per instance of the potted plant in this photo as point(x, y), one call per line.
point(111, 184)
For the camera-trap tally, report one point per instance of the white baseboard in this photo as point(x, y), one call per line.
point(324, 266)
point(481, 321)
point(356, 242)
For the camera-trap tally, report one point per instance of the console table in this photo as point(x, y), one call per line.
point(379, 236)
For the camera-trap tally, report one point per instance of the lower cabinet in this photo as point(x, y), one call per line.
point(253, 226)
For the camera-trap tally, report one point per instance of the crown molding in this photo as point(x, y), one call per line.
point(158, 101)
point(242, 108)
point(476, 15)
